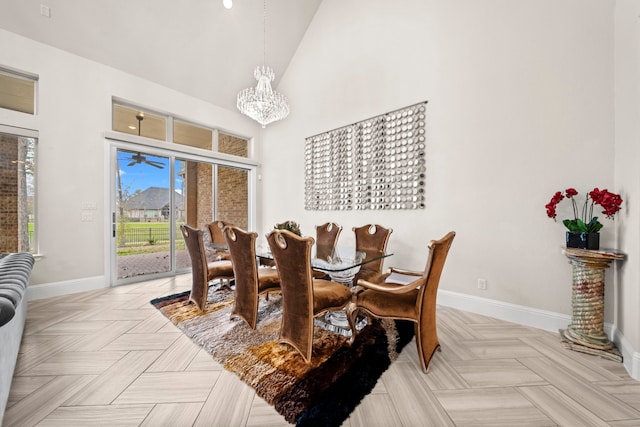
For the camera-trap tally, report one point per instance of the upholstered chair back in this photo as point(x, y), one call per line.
point(195, 246)
point(326, 238)
point(293, 262)
point(371, 239)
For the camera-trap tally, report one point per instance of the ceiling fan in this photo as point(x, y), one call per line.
point(139, 158)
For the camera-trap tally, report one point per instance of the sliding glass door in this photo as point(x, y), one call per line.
point(142, 219)
point(154, 193)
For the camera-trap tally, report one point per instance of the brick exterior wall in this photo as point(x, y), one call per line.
point(9, 209)
point(233, 183)
point(232, 188)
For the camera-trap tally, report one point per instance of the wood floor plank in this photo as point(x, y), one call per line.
point(409, 393)
point(173, 414)
point(177, 357)
point(103, 415)
point(35, 350)
point(168, 387)
point(130, 341)
point(77, 363)
point(605, 405)
point(561, 408)
point(496, 373)
point(503, 406)
point(264, 415)
point(203, 361)
point(46, 399)
point(102, 338)
point(22, 386)
point(228, 404)
point(106, 387)
point(375, 410)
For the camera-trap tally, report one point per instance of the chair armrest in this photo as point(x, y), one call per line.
point(406, 272)
point(392, 288)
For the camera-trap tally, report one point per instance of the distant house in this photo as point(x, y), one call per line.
point(152, 204)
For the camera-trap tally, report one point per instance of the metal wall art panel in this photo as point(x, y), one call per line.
point(378, 163)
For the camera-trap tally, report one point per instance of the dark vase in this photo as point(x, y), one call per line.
point(576, 239)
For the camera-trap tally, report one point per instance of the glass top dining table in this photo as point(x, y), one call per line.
point(334, 260)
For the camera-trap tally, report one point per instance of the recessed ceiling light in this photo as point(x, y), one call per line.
point(228, 4)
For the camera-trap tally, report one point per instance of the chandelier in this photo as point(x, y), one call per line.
point(262, 103)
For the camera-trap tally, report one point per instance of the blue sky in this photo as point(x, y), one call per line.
point(141, 176)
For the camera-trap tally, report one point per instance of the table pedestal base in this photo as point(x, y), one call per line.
point(597, 346)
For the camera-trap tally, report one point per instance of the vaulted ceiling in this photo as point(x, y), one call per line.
point(194, 46)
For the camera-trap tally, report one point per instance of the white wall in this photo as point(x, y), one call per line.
point(627, 173)
point(521, 104)
point(74, 111)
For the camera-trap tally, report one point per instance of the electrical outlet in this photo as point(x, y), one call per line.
point(482, 284)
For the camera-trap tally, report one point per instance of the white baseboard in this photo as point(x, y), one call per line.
point(48, 290)
point(541, 319)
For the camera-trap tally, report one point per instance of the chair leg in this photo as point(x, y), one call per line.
point(427, 343)
point(352, 314)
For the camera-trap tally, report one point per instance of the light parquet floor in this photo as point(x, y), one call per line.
point(107, 357)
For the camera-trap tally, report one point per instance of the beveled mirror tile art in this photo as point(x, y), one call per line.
point(378, 163)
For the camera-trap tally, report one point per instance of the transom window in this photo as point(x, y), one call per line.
point(138, 121)
point(17, 91)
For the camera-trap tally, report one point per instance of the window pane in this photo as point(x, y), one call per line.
point(229, 144)
point(17, 93)
point(17, 198)
point(233, 196)
point(192, 135)
point(142, 227)
point(137, 122)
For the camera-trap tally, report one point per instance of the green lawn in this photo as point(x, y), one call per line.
point(146, 237)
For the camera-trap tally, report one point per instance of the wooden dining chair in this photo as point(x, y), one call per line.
point(415, 301)
point(326, 238)
point(217, 238)
point(371, 239)
point(250, 281)
point(202, 271)
point(303, 297)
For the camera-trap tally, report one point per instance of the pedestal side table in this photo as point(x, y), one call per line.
point(586, 331)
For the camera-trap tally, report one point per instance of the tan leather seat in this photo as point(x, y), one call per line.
point(415, 301)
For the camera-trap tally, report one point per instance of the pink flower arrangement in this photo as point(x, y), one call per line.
point(583, 220)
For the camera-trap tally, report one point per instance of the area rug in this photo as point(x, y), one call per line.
point(321, 393)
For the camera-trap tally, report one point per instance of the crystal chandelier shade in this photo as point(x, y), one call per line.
point(263, 104)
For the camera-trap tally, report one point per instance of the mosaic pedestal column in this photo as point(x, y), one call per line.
point(586, 331)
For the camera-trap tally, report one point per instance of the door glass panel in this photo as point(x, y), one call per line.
point(143, 201)
point(232, 190)
point(183, 261)
point(17, 198)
